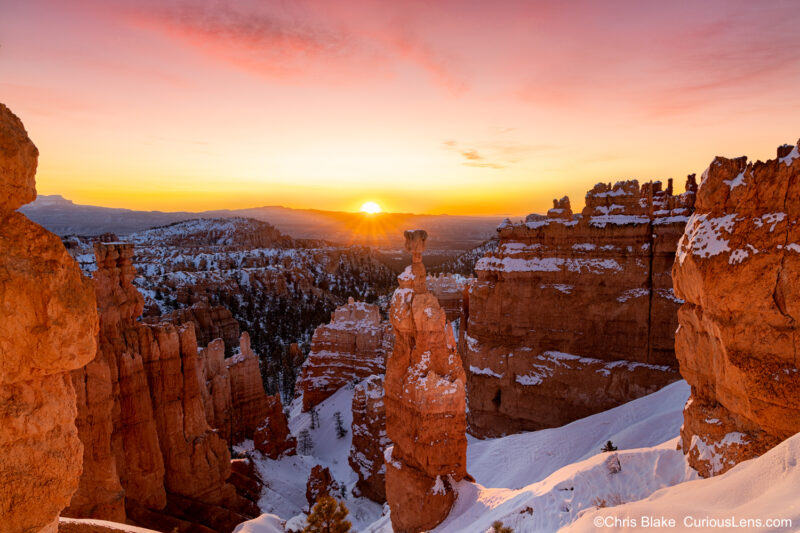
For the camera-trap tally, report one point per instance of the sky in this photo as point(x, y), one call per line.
point(459, 107)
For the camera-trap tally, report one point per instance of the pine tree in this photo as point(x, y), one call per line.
point(328, 516)
point(608, 447)
point(340, 430)
point(306, 444)
point(498, 527)
point(314, 418)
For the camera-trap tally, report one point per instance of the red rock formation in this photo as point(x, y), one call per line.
point(581, 303)
point(273, 438)
point(170, 464)
point(320, 483)
point(217, 396)
point(249, 405)
point(49, 328)
point(352, 346)
point(210, 322)
point(245, 477)
point(369, 439)
point(425, 404)
point(738, 269)
point(449, 290)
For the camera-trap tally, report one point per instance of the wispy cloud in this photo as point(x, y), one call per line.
point(500, 154)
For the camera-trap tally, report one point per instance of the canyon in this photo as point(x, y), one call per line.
point(122, 403)
point(570, 303)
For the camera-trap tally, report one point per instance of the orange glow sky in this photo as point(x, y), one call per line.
point(457, 107)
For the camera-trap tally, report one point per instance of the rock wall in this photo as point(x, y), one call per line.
point(425, 404)
point(233, 396)
point(738, 270)
point(369, 439)
point(48, 329)
point(249, 405)
point(449, 290)
point(166, 468)
point(572, 315)
point(217, 396)
point(273, 438)
point(210, 322)
point(353, 346)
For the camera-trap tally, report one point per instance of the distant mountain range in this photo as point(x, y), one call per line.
point(383, 230)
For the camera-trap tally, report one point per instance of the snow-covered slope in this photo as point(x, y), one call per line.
point(285, 479)
point(518, 460)
point(543, 480)
point(765, 488)
point(537, 481)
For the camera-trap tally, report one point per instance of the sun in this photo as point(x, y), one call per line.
point(370, 208)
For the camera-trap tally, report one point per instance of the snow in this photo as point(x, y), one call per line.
point(632, 293)
point(794, 154)
point(548, 264)
point(703, 236)
point(561, 287)
point(284, 493)
point(266, 523)
point(735, 182)
point(484, 372)
point(600, 221)
point(759, 489)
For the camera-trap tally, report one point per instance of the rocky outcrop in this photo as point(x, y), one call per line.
point(49, 328)
point(320, 483)
point(217, 396)
point(353, 346)
point(249, 404)
point(210, 322)
point(170, 466)
point(272, 438)
point(233, 396)
point(369, 439)
point(425, 404)
point(449, 290)
point(574, 303)
point(738, 270)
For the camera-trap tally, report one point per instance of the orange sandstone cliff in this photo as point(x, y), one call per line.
point(425, 404)
point(353, 346)
point(48, 328)
point(573, 315)
point(738, 270)
point(167, 469)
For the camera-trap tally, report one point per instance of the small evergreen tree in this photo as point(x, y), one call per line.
point(314, 418)
point(608, 447)
point(498, 527)
point(340, 430)
point(328, 516)
point(306, 444)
